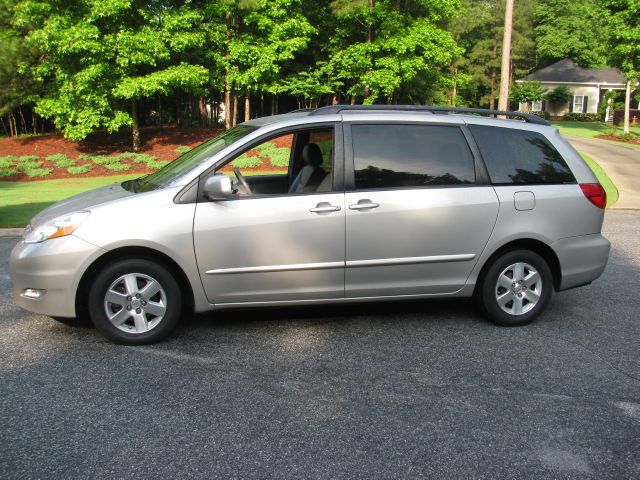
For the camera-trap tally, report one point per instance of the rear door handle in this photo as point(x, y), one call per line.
point(325, 207)
point(363, 205)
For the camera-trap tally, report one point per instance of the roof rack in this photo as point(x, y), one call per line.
point(334, 109)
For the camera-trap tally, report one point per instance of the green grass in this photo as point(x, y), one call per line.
point(603, 178)
point(19, 201)
point(591, 129)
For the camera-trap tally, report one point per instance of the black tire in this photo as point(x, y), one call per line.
point(143, 271)
point(82, 322)
point(517, 294)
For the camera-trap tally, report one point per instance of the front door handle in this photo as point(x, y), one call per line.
point(325, 207)
point(363, 205)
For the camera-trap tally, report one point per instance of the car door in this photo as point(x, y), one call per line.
point(417, 219)
point(277, 246)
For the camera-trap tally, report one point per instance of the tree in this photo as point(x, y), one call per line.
point(382, 47)
point(505, 68)
point(103, 57)
point(527, 92)
point(575, 29)
point(559, 95)
point(624, 21)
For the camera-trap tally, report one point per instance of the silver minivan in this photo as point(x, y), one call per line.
point(344, 204)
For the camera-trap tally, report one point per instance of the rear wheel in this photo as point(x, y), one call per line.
point(516, 288)
point(135, 301)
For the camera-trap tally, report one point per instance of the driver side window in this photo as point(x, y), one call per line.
point(295, 163)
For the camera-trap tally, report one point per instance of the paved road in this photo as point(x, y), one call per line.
point(622, 164)
point(420, 390)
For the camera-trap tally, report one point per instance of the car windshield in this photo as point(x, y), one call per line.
point(186, 162)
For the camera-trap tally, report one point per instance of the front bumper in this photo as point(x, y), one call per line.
point(55, 266)
point(582, 259)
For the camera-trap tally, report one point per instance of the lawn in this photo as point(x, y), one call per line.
point(591, 129)
point(19, 201)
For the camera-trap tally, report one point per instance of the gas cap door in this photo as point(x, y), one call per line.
point(524, 201)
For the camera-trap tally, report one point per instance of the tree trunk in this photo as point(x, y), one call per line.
point(12, 125)
point(202, 111)
point(627, 106)
point(367, 90)
point(334, 99)
point(159, 111)
point(247, 107)
point(23, 122)
point(503, 101)
point(492, 94)
point(178, 119)
point(234, 117)
point(135, 127)
point(273, 105)
point(34, 121)
point(454, 90)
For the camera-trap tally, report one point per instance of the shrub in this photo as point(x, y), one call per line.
point(89, 156)
point(156, 165)
point(61, 160)
point(182, 149)
point(7, 162)
point(117, 167)
point(80, 169)
point(8, 171)
point(137, 157)
point(37, 172)
point(246, 162)
point(581, 117)
point(559, 95)
point(544, 115)
point(106, 161)
point(28, 159)
point(29, 164)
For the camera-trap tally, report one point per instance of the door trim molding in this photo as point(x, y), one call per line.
point(465, 257)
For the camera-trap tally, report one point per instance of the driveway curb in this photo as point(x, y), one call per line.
point(11, 232)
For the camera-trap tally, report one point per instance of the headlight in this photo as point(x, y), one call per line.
point(58, 227)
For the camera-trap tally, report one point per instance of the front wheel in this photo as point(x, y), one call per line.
point(516, 288)
point(135, 301)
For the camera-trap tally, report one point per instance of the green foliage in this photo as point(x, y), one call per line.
point(80, 169)
point(153, 165)
point(581, 117)
point(572, 29)
point(32, 172)
point(559, 95)
point(7, 162)
point(104, 160)
point(278, 156)
point(117, 167)
point(624, 24)
point(182, 149)
point(29, 160)
point(8, 171)
point(61, 160)
point(245, 161)
point(526, 92)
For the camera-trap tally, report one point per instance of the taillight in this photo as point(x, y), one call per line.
point(595, 193)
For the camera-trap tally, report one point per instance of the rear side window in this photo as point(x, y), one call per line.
point(387, 156)
point(520, 156)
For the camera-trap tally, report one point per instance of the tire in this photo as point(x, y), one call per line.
point(515, 288)
point(135, 301)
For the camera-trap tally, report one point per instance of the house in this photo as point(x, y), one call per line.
point(588, 86)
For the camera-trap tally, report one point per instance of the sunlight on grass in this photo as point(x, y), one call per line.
point(19, 201)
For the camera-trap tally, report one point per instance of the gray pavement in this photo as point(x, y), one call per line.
point(621, 163)
point(404, 390)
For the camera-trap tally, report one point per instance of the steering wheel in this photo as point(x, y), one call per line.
point(244, 186)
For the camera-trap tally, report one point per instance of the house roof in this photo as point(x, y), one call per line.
point(568, 71)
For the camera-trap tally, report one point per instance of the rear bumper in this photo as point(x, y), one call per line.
point(582, 259)
point(53, 267)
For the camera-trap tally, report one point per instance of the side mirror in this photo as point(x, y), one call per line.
point(217, 187)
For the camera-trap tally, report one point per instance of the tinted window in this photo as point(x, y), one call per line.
point(410, 156)
point(520, 156)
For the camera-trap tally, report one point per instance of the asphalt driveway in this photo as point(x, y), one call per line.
point(621, 163)
point(418, 390)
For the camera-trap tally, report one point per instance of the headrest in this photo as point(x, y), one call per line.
point(311, 155)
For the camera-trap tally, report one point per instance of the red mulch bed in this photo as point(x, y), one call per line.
point(158, 142)
point(618, 138)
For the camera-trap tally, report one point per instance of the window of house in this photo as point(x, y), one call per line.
point(579, 103)
point(388, 156)
point(536, 106)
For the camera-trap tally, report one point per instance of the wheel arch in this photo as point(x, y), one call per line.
point(134, 252)
point(536, 246)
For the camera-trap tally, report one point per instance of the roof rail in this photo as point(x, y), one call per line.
point(334, 109)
